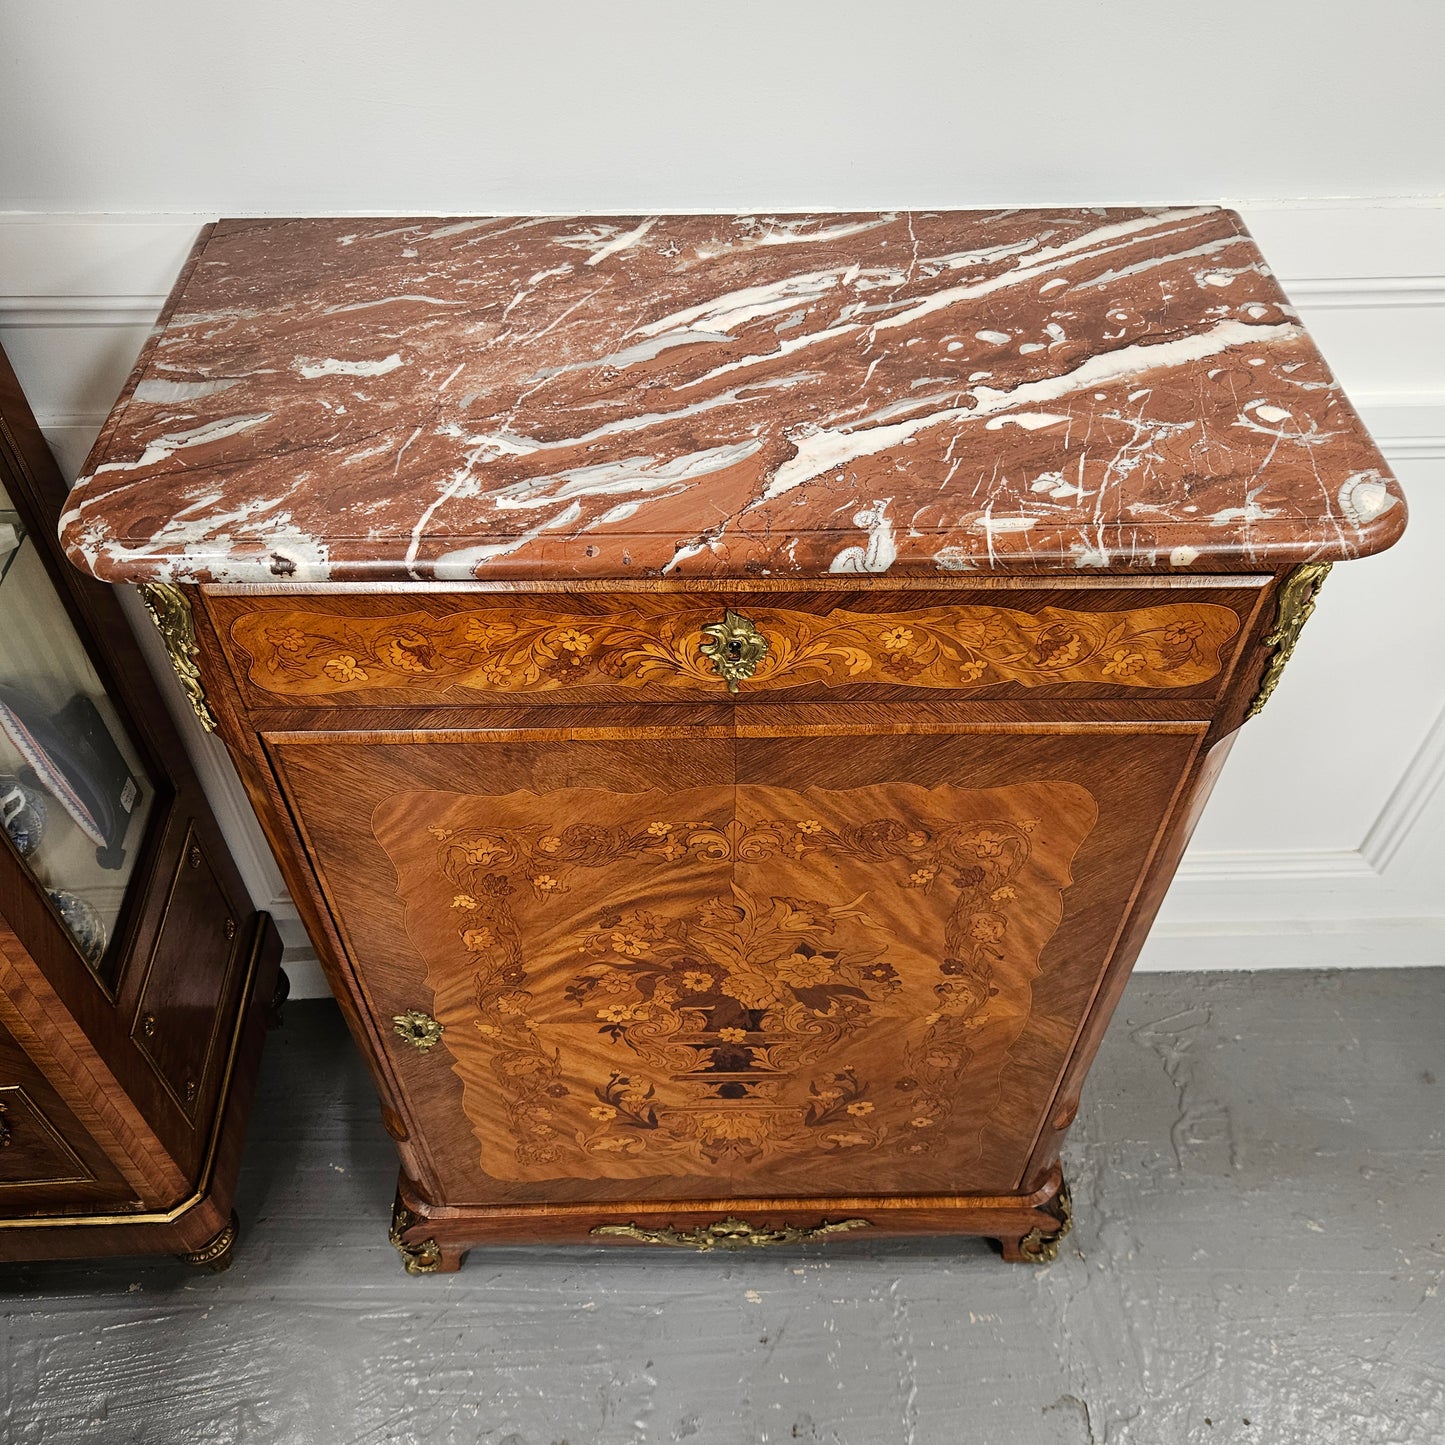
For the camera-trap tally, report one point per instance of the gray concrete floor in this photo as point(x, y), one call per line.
point(1259, 1177)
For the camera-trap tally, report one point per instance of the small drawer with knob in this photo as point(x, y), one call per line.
point(430, 648)
point(178, 1017)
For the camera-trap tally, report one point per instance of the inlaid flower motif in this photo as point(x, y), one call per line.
point(1124, 663)
point(828, 1096)
point(618, 1144)
point(603, 1112)
point(732, 1036)
point(484, 852)
point(801, 970)
point(496, 672)
point(987, 927)
point(898, 639)
point(972, 671)
point(478, 939)
point(1177, 634)
point(922, 1122)
point(287, 639)
point(989, 845)
point(1057, 648)
point(573, 640)
point(406, 651)
point(512, 1003)
point(810, 825)
point(344, 669)
point(1002, 894)
point(464, 900)
point(481, 633)
point(917, 840)
point(659, 830)
point(697, 981)
point(549, 844)
point(847, 1141)
point(859, 1107)
point(615, 1013)
point(630, 945)
point(751, 990)
point(921, 877)
point(545, 883)
point(489, 1030)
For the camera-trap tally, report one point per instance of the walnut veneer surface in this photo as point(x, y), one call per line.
point(1012, 520)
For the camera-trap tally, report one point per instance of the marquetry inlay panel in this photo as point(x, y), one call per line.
point(719, 981)
point(311, 653)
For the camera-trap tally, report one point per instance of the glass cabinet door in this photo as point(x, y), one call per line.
point(74, 795)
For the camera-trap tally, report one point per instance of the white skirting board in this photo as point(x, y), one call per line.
point(1324, 845)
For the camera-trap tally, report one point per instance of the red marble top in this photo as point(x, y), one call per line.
point(926, 393)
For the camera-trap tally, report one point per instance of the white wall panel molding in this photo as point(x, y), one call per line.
point(1399, 822)
point(79, 310)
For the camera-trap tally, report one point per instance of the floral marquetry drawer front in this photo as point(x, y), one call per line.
point(724, 984)
point(324, 655)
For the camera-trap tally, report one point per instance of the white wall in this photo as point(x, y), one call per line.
point(125, 126)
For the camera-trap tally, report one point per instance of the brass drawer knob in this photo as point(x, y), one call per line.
point(734, 647)
point(148, 1026)
point(728, 1233)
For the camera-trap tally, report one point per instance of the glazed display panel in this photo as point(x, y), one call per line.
point(724, 960)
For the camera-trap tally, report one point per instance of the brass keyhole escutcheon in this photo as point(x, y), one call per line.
point(420, 1030)
point(734, 647)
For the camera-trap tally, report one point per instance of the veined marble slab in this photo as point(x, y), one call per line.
point(916, 394)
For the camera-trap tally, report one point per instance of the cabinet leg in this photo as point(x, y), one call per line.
point(216, 1254)
point(420, 1255)
point(1041, 1244)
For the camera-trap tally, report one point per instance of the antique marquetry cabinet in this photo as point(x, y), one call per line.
point(729, 693)
point(136, 979)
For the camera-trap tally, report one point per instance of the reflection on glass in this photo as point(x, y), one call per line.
point(74, 797)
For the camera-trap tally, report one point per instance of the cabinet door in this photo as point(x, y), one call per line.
point(792, 959)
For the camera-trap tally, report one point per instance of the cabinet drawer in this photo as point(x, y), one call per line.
point(430, 649)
